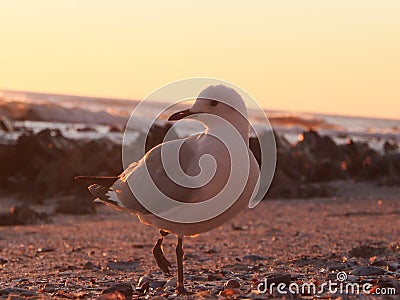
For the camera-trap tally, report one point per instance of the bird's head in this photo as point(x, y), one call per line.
point(216, 100)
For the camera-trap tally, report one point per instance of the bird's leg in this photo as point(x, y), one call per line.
point(158, 254)
point(179, 258)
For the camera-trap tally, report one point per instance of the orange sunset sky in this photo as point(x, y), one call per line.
point(339, 57)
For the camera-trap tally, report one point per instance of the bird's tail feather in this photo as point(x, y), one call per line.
point(99, 191)
point(106, 196)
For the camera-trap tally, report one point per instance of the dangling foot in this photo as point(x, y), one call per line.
point(158, 254)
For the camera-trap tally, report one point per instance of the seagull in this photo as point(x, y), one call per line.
point(222, 111)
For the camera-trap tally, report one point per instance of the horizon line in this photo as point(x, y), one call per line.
point(137, 100)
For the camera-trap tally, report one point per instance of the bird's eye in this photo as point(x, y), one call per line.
point(214, 103)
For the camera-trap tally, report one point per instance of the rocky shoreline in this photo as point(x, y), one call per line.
point(41, 167)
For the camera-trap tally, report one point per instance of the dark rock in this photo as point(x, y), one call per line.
point(379, 262)
point(3, 261)
point(310, 261)
point(301, 169)
point(90, 266)
point(390, 170)
point(390, 147)
point(143, 280)
point(232, 284)
point(323, 155)
point(42, 166)
point(115, 295)
point(123, 265)
point(283, 186)
point(17, 291)
point(171, 282)
point(368, 271)
point(195, 277)
point(50, 288)
point(145, 287)
point(276, 279)
point(214, 277)
point(393, 266)
point(337, 267)
point(265, 137)
point(144, 284)
point(366, 251)
point(22, 215)
point(157, 283)
point(252, 257)
point(361, 162)
point(123, 288)
point(74, 206)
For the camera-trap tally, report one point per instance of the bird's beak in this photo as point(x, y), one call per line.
point(180, 115)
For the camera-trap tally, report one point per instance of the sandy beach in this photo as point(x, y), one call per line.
point(311, 240)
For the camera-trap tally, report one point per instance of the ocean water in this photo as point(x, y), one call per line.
point(72, 113)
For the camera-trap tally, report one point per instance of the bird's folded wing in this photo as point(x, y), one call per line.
point(148, 179)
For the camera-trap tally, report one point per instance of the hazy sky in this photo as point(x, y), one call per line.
point(337, 56)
